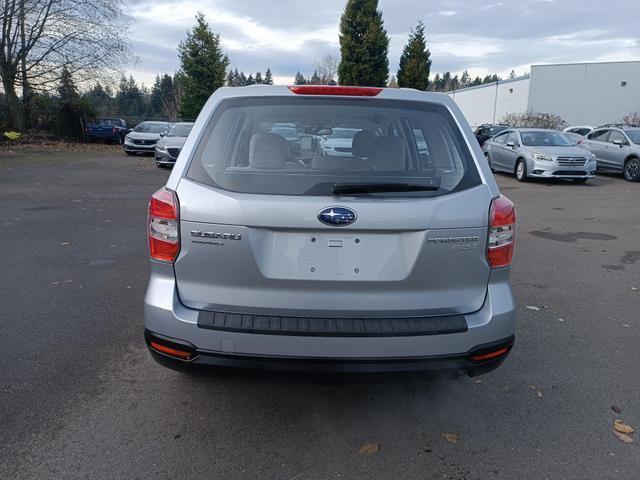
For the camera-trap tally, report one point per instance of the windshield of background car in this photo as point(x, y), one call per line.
point(239, 151)
point(151, 128)
point(545, 139)
point(634, 135)
point(496, 130)
point(179, 131)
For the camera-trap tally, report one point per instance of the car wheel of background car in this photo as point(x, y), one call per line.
point(521, 170)
point(580, 180)
point(632, 170)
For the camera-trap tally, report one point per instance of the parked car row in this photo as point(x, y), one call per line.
point(163, 139)
point(576, 154)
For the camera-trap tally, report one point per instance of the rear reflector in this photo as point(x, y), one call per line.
point(502, 232)
point(172, 352)
point(335, 90)
point(162, 226)
point(490, 355)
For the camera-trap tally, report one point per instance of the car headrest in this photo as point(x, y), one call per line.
point(267, 151)
point(388, 153)
point(361, 144)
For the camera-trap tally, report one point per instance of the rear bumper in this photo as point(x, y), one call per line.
point(167, 319)
point(456, 363)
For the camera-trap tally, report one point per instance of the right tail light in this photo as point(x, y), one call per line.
point(502, 232)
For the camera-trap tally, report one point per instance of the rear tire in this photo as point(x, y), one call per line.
point(521, 170)
point(632, 170)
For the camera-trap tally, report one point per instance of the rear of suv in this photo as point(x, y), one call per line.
point(395, 257)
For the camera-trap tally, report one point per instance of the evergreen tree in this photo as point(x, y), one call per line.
point(315, 79)
point(415, 62)
point(250, 80)
point(300, 80)
point(242, 80)
point(203, 66)
point(476, 81)
point(512, 75)
point(364, 45)
point(154, 108)
point(71, 108)
point(230, 79)
point(435, 85)
point(259, 80)
point(465, 79)
point(129, 99)
point(268, 78)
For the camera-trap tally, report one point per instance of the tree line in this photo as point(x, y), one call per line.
point(43, 57)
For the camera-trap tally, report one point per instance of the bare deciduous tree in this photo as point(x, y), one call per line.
point(39, 37)
point(327, 68)
point(631, 118)
point(171, 105)
point(531, 119)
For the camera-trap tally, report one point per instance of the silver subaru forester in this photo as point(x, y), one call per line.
point(392, 255)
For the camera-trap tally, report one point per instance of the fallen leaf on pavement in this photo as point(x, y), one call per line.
point(623, 437)
point(622, 427)
point(616, 409)
point(532, 307)
point(65, 243)
point(369, 448)
point(450, 437)
point(634, 289)
point(539, 394)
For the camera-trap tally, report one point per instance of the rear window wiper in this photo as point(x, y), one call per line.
point(356, 188)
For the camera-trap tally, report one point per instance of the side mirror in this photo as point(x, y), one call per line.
point(620, 143)
point(511, 144)
point(163, 134)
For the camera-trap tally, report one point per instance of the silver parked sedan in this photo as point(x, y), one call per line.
point(533, 152)
point(617, 150)
point(169, 146)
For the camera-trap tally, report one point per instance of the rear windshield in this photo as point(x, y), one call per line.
point(245, 147)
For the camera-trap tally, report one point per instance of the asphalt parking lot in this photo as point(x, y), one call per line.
point(81, 398)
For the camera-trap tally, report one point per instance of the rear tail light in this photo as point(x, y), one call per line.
point(335, 90)
point(162, 225)
point(114, 129)
point(502, 232)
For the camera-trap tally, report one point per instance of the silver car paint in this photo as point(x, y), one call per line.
point(422, 273)
point(504, 157)
point(611, 156)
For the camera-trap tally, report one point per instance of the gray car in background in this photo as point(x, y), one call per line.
point(395, 257)
point(169, 146)
point(530, 152)
point(617, 150)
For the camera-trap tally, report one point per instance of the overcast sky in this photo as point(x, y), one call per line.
point(483, 36)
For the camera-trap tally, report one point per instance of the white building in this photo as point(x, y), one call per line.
point(580, 93)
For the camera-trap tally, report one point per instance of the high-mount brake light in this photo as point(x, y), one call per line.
point(335, 90)
point(162, 226)
point(502, 232)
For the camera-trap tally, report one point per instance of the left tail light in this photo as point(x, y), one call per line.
point(162, 226)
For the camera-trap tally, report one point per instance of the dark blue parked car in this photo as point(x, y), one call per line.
point(107, 129)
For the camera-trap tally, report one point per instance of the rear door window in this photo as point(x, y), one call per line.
point(247, 146)
point(599, 135)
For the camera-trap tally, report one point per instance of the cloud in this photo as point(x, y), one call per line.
point(288, 35)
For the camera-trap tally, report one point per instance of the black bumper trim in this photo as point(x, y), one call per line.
point(455, 362)
point(332, 327)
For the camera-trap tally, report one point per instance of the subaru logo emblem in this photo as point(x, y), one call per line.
point(337, 216)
